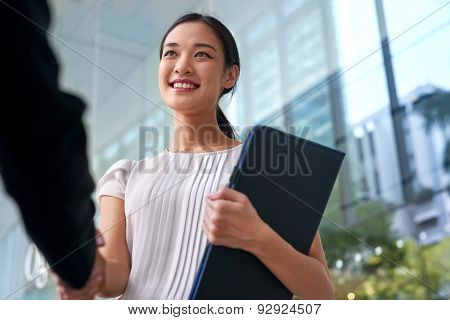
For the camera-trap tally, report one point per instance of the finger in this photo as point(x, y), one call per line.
point(58, 280)
point(221, 206)
point(227, 194)
point(78, 291)
point(206, 229)
point(64, 288)
point(89, 290)
point(54, 276)
point(60, 288)
point(95, 282)
point(213, 237)
point(66, 293)
point(99, 239)
point(207, 215)
point(62, 295)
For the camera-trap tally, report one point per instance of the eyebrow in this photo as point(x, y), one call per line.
point(197, 45)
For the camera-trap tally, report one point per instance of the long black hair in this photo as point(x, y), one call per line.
point(231, 58)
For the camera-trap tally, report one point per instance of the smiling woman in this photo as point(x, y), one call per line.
point(198, 51)
point(157, 214)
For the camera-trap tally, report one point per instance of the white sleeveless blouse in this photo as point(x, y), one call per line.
point(164, 205)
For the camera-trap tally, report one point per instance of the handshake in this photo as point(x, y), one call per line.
point(94, 284)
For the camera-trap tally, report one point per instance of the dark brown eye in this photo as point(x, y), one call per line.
point(169, 53)
point(202, 54)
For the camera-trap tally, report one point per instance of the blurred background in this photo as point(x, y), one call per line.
point(368, 77)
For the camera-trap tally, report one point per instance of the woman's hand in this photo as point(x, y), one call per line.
point(93, 285)
point(231, 220)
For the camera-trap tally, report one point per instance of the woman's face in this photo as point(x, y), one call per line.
point(191, 71)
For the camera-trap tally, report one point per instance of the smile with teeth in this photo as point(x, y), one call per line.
point(179, 85)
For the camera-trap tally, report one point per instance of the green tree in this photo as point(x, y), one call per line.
point(435, 109)
point(406, 272)
point(411, 272)
point(371, 228)
point(396, 270)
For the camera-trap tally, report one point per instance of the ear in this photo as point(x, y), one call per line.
point(231, 76)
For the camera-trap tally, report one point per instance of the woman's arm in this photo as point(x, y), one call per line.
point(307, 276)
point(231, 220)
point(115, 250)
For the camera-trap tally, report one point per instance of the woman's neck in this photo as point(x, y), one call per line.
point(194, 134)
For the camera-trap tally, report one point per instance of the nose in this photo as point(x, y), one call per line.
point(183, 66)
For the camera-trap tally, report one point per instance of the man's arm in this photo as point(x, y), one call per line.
point(43, 145)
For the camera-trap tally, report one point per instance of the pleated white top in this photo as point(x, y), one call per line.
point(164, 205)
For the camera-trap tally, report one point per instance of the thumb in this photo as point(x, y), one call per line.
point(99, 238)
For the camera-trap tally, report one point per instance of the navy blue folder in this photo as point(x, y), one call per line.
point(289, 181)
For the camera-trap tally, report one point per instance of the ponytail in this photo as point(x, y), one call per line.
point(225, 125)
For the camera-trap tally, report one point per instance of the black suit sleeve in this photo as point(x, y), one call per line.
point(43, 144)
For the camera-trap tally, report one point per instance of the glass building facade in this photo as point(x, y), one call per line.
point(345, 73)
